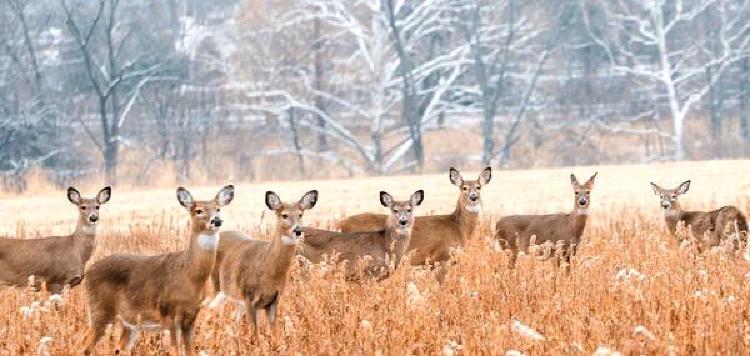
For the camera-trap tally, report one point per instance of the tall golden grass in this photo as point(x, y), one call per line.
point(631, 289)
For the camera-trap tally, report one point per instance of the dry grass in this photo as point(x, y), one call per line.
point(631, 288)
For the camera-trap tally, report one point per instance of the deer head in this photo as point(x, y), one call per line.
point(402, 212)
point(582, 192)
point(206, 215)
point(289, 215)
point(88, 209)
point(668, 197)
point(470, 198)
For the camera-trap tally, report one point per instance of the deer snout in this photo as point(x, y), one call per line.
point(216, 221)
point(297, 231)
point(403, 222)
point(93, 218)
point(473, 197)
point(666, 205)
point(582, 202)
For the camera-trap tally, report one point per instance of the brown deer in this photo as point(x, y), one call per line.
point(515, 232)
point(435, 236)
point(710, 225)
point(161, 292)
point(253, 273)
point(385, 247)
point(56, 260)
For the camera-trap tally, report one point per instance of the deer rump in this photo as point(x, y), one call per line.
point(348, 246)
point(152, 289)
point(54, 260)
point(516, 230)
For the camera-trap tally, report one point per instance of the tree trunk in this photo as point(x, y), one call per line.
point(296, 142)
point(744, 115)
point(318, 85)
point(714, 115)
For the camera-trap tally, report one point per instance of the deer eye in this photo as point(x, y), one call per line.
point(97, 207)
point(479, 187)
point(285, 216)
point(199, 212)
point(83, 207)
point(465, 188)
point(408, 210)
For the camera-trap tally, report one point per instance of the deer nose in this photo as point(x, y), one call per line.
point(473, 197)
point(582, 202)
point(298, 231)
point(93, 218)
point(216, 222)
point(402, 222)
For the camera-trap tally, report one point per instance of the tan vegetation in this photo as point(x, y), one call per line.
point(631, 288)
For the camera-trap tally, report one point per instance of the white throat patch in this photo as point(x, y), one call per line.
point(582, 212)
point(288, 240)
point(208, 241)
point(477, 208)
point(670, 212)
point(89, 229)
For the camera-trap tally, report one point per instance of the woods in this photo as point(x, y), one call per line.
point(187, 90)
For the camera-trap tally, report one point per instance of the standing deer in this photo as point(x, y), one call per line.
point(253, 273)
point(385, 247)
point(435, 236)
point(56, 260)
point(712, 225)
point(514, 232)
point(161, 292)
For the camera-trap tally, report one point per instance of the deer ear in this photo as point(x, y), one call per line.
point(308, 200)
point(185, 198)
point(684, 186)
point(104, 195)
point(74, 196)
point(455, 177)
point(386, 199)
point(574, 180)
point(485, 176)
point(590, 182)
point(417, 198)
point(657, 189)
point(273, 201)
point(225, 195)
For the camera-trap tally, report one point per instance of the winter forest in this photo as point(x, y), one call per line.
point(144, 91)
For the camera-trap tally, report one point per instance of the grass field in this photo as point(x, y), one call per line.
point(631, 289)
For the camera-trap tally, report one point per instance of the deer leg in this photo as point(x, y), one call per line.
point(129, 338)
point(174, 340)
point(98, 321)
point(251, 314)
point(187, 330)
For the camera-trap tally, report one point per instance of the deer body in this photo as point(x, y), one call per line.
point(161, 292)
point(253, 273)
point(514, 232)
point(434, 237)
point(385, 247)
point(56, 260)
point(713, 225)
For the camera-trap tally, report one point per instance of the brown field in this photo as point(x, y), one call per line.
point(631, 289)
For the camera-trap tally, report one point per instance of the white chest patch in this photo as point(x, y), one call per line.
point(288, 240)
point(474, 208)
point(208, 241)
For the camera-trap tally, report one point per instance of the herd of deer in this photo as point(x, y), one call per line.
point(166, 292)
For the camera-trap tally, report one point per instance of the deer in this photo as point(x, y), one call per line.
point(709, 225)
point(253, 273)
point(434, 237)
point(157, 292)
point(58, 261)
point(564, 230)
point(385, 247)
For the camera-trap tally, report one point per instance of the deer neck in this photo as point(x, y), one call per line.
point(672, 217)
point(578, 217)
point(84, 239)
point(466, 219)
point(281, 254)
point(201, 254)
point(396, 241)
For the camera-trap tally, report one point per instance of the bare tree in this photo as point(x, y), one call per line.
point(637, 31)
